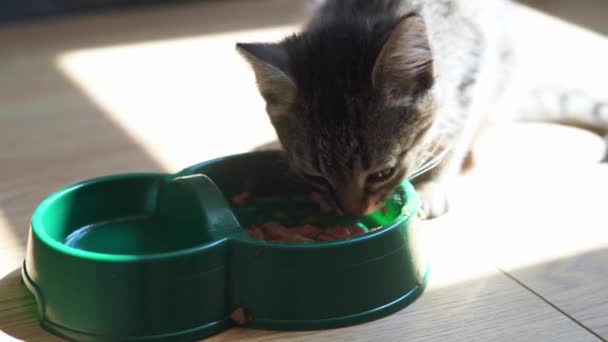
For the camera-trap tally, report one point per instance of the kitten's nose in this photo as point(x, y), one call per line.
point(353, 199)
point(356, 205)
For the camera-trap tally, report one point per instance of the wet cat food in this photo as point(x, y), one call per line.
point(276, 232)
point(273, 230)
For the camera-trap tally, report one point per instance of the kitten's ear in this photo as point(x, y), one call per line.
point(270, 65)
point(405, 63)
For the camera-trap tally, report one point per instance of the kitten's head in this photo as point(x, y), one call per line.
point(349, 101)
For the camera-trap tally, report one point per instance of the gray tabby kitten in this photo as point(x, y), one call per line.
point(372, 91)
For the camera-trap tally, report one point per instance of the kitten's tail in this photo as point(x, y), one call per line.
point(569, 107)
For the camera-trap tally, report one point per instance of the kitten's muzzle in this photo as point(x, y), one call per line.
point(356, 203)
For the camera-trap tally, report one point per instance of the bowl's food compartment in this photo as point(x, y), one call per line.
point(299, 219)
point(267, 199)
point(274, 231)
point(124, 215)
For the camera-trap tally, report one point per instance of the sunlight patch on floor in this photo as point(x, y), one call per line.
point(185, 100)
point(523, 205)
point(539, 197)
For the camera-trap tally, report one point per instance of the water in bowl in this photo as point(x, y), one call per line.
point(134, 235)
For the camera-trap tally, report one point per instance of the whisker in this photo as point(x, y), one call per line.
point(429, 155)
point(430, 164)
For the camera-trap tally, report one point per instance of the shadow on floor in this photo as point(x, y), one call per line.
point(150, 24)
point(19, 319)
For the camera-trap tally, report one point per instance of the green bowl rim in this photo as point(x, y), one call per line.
point(408, 210)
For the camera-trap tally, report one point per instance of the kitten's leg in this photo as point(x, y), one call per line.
point(433, 186)
point(433, 198)
point(479, 86)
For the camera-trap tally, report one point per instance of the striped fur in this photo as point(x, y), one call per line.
point(349, 114)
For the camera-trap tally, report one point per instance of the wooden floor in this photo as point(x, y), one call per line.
point(523, 256)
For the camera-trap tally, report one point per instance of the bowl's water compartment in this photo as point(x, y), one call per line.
point(134, 215)
point(134, 235)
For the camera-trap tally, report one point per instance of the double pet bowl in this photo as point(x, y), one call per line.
point(165, 257)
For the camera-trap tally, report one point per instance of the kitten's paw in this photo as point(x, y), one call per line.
point(433, 200)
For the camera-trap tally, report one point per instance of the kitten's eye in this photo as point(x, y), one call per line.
point(381, 176)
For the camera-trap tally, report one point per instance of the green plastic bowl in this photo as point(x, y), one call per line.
point(164, 257)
